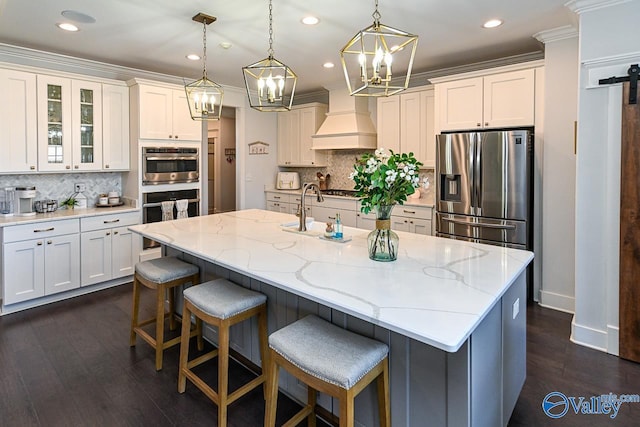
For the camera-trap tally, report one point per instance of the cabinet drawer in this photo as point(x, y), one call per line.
point(416, 212)
point(339, 203)
point(101, 222)
point(278, 197)
point(37, 230)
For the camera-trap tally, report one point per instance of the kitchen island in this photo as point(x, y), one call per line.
point(452, 312)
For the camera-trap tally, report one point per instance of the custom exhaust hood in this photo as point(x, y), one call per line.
point(348, 124)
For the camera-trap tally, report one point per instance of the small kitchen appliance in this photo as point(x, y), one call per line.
point(24, 201)
point(288, 181)
point(7, 199)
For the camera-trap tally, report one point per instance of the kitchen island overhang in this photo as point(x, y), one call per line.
point(439, 293)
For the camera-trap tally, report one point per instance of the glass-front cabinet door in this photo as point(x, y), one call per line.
point(54, 123)
point(86, 125)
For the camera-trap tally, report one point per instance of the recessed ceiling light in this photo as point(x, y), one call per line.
point(193, 57)
point(67, 27)
point(328, 65)
point(310, 20)
point(492, 23)
point(76, 16)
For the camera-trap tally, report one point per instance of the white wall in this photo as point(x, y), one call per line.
point(608, 45)
point(559, 171)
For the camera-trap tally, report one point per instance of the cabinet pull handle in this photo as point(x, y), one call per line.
point(276, 197)
point(106, 166)
point(39, 243)
point(32, 168)
point(67, 167)
point(111, 221)
point(408, 212)
point(478, 124)
point(108, 233)
point(44, 230)
point(49, 242)
point(115, 232)
point(332, 217)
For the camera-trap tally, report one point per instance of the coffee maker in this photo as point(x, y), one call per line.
point(24, 201)
point(7, 200)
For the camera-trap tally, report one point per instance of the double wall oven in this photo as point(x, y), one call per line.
point(168, 174)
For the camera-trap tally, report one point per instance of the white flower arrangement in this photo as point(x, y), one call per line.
point(383, 179)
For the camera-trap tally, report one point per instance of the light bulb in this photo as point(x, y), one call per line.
point(260, 87)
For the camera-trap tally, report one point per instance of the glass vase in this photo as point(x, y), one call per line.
point(383, 242)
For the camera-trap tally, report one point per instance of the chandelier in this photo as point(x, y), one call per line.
point(204, 96)
point(270, 83)
point(370, 56)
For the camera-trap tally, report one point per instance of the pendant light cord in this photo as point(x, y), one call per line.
point(376, 16)
point(270, 51)
point(204, 48)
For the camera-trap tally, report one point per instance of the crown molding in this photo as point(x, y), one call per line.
point(556, 34)
point(582, 6)
point(485, 72)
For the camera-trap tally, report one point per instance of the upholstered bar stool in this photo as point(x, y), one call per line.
point(221, 303)
point(162, 275)
point(331, 360)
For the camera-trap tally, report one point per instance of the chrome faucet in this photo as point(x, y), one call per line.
point(302, 207)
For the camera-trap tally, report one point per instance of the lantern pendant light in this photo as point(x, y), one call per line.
point(270, 83)
point(204, 96)
point(370, 56)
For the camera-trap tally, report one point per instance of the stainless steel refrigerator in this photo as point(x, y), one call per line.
point(484, 187)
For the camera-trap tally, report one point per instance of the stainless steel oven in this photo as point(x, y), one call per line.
point(152, 208)
point(169, 165)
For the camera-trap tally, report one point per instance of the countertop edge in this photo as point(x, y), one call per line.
point(62, 214)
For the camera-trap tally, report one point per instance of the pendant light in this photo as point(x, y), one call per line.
point(369, 58)
point(204, 96)
point(270, 83)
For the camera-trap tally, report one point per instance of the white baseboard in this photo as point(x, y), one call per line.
point(613, 340)
point(557, 302)
point(589, 337)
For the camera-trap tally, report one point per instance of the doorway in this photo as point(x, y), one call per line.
point(221, 162)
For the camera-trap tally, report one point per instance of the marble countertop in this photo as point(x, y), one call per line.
point(64, 214)
point(437, 292)
point(426, 200)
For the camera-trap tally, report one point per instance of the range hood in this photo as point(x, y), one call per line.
point(348, 124)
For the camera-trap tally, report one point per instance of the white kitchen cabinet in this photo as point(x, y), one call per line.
point(406, 124)
point(46, 265)
point(491, 101)
point(287, 203)
point(69, 124)
point(163, 114)
point(326, 211)
point(115, 127)
point(18, 131)
point(413, 219)
point(295, 131)
point(366, 221)
point(111, 245)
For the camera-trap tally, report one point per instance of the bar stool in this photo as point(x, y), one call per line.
point(331, 360)
point(222, 304)
point(161, 274)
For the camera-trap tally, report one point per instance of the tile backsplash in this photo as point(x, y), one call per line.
point(61, 186)
point(339, 166)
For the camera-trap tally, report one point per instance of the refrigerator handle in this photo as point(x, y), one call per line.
point(472, 172)
point(477, 182)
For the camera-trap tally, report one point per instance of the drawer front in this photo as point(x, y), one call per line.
point(416, 212)
point(101, 222)
point(277, 197)
point(339, 203)
point(38, 230)
point(324, 214)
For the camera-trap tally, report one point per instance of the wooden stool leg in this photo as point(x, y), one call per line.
point(271, 404)
point(172, 309)
point(223, 372)
point(184, 349)
point(346, 409)
point(134, 311)
point(199, 333)
point(383, 396)
point(264, 347)
point(311, 401)
point(159, 327)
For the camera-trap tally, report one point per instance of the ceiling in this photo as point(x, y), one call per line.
point(156, 35)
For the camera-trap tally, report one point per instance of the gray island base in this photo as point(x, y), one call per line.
point(453, 313)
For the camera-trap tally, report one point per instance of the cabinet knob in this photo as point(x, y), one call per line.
point(478, 124)
point(32, 168)
point(175, 136)
point(108, 233)
point(106, 166)
point(67, 167)
point(76, 167)
point(170, 136)
point(115, 232)
point(39, 243)
point(486, 123)
point(49, 242)
point(410, 222)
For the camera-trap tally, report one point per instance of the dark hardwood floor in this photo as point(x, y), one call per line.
point(69, 364)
